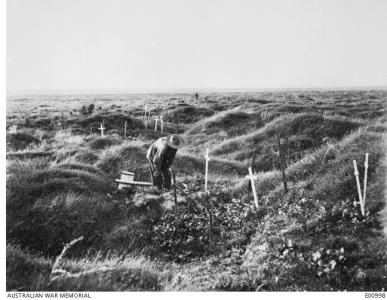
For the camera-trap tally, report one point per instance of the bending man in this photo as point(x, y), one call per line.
point(160, 156)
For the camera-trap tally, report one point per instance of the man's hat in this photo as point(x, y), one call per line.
point(174, 141)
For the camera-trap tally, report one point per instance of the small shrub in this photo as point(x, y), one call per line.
point(83, 110)
point(87, 157)
point(90, 109)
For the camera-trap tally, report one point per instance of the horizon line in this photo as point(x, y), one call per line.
point(89, 91)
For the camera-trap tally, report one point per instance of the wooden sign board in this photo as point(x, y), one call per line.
point(127, 180)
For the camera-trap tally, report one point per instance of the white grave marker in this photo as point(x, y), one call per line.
point(253, 177)
point(207, 156)
point(358, 187)
point(365, 178)
point(102, 129)
point(156, 120)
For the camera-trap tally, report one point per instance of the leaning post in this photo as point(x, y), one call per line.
point(358, 187)
point(252, 177)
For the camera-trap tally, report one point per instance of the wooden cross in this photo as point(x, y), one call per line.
point(102, 129)
point(207, 156)
point(253, 177)
point(156, 120)
point(358, 187)
point(365, 178)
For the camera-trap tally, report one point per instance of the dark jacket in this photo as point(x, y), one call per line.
point(160, 155)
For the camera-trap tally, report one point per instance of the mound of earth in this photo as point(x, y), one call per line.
point(20, 141)
point(314, 126)
point(187, 114)
point(233, 122)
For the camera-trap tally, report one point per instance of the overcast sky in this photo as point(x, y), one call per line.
point(195, 44)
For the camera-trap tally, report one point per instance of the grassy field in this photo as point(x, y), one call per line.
point(60, 187)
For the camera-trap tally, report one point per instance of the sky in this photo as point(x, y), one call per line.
point(195, 44)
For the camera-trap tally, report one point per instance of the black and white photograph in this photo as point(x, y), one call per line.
point(195, 146)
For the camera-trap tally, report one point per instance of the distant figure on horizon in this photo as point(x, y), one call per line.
point(161, 155)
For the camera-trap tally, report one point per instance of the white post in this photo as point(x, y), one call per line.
point(145, 116)
point(161, 124)
point(126, 122)
point(13, 129)
point(252, 177)
point(365, 179)
point(207, 156)
point(102, 129)
point(358, 187)
point(156, 120)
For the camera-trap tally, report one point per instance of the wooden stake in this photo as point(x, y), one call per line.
point(365, 179)
point(126, 123)
point(282, 164)
point(252, 168)
point(207, 156)
point(146, 116)
point(210, 238)
point(174, 188)
point(287, 150)
point(252, 163)
point(252, 177)
point(161, 124)
point(358, 187)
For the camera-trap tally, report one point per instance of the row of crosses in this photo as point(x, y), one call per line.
point(146, 116)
